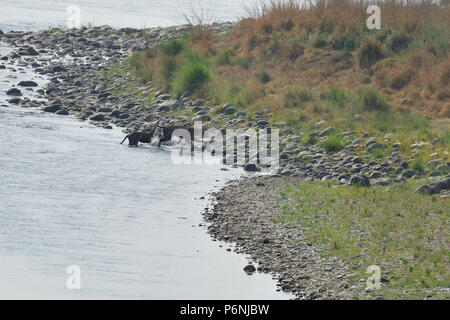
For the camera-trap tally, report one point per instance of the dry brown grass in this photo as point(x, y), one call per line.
point(284, 45)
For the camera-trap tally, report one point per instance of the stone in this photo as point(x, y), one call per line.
point(230, 111)
point(359, 180)
point(27, 84)
point(168, 105)
point(326, 131)
point(14, 92)
point(320, 123)
point(52, 109)
point(250, 269)
point(433, 163)
point(62, 112)
point(434, 188)
point(251, 167)
point(97, 117)
point(28, 51)
point(409, 173)
point(58, 68)
point(14, 100)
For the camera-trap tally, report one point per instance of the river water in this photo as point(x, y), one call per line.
point(41, 14)
point(129, 218)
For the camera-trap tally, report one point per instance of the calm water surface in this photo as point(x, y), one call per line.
point(129, 217)
point(40, 14)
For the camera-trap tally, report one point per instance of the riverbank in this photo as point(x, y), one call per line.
point(244, 213)
point(319, 238)
point(90, 78)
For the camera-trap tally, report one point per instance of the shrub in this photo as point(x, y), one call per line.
point(224, 58)
point(168, 68)
point(191, 76)
point(337, 95)
point(398, 40)
point(319, 42)
point(401, 79)
point(263, 76)
point(243, 62)
point(371, 100)
point(172, 47)
point(295, 50)
point(370, 52)
point(345, 42)
point(435, 39)
point(334, 142)
point(378, 153)
point(418, 164)
point(309, 139)
point(295, 97)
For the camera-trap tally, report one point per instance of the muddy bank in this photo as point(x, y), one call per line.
point(244, 213)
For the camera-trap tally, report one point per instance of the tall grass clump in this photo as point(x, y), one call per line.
point(418, 164)
point(337, 95)
point(334, 142)
point(172, 48)
point(370, 52)
point(371, 99)
point(190, 77)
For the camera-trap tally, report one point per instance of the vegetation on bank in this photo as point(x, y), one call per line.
point(405, 235)
point(320, 62)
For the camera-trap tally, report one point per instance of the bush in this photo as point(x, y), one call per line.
point(168, 68)
point(370, 52)
point(263, 76)
point(295, 97)
point(191, 76)
point(378, 153)
point(436, 39)
point(371, 100)
point(345, 42)
point(418, 164)
point(337, 95)
point(398, 40)
point(401, 79)
point(334, 142)
point(309, 139)
point(172, 47)
point(224, 58)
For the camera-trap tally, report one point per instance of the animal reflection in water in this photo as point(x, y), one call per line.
point(157, 134)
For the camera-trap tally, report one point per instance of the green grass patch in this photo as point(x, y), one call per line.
point(405, 234)
point(191, 76)
point(418, 164)
point(334, 142)
point(372, 100)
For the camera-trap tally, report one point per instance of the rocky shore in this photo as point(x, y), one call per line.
point(243, 214)
point(75, 62)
